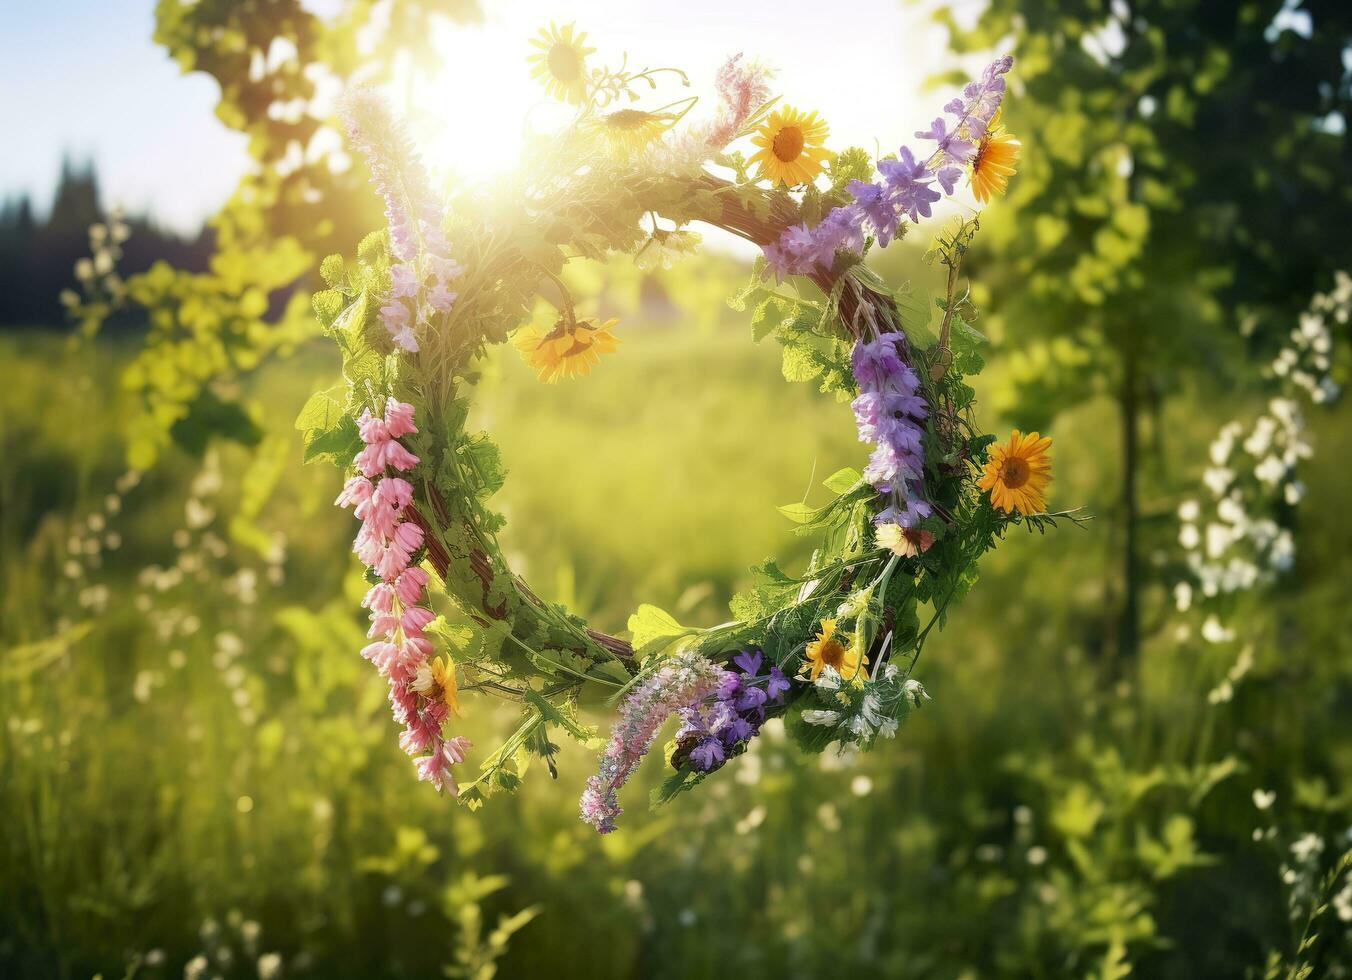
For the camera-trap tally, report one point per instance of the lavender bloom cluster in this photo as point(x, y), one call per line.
point(420, 283)
point(907, 189)
point(682, 683)
point(890, 413)
point(712, 730)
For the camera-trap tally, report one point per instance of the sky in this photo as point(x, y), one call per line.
point(85, 78)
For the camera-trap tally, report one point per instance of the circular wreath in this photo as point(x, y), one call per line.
point(831, 649)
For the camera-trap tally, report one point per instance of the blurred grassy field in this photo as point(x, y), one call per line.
point(198, 772)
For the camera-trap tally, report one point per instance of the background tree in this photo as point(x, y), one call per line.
point(1184, 191)
point(278, 65)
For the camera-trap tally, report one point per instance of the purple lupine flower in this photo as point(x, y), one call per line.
point(777, 685)
point(749, 661)
point(876, 204)
point(889, 412)
point(876, 363)
point(440, 298)
point(739, 729)
point(412, 212)
point(403, 281)
point(909, 184)
point(708, 755)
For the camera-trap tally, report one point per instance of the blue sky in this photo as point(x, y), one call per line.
point(84, 77)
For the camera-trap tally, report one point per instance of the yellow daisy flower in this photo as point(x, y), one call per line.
point(570, 350)
point(828, 651)
point(791, 147)
point(561, 62)
point(435, 681)
point(626, 132)
point(906, 542)
point(993, 163)
point(1018, 472)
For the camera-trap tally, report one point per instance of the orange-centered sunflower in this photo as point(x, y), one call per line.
point(828, 651)
point(561, 62)
point(570, 350)
point(1018, 472)
point(993, 164)
point(791, 147)
point(628, 131)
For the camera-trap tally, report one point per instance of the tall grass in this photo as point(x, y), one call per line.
point(198, 771)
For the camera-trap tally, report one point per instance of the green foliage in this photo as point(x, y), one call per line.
point(1029, 820)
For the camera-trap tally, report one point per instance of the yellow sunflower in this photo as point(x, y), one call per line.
point(570, 350)
point(1018, 472)
point(791, 147)
point(626, 132)
point(828, 651)
point(997, 153)
point(435, 681)
point(561, 62)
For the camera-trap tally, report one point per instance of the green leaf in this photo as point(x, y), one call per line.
point(842, 481)
point(338, 444)
point(654, 629)
point(801, 513)
point(321, 411)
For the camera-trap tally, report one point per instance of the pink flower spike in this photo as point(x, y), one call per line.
point(380, 598)
point(417, 649)
point(391, 563)
point(382, 624)
point(433, 769)
point(395, 492)
point(399, 457)
point(399, 418)
point(356, 491)
point(403, 703)
point(372, 428)
point(415, 620)
point(381, 653)
point(368, 546)
point(456, 749)
point(408, 536)
point(371, 460)
point(381, 519)
point(409, 586)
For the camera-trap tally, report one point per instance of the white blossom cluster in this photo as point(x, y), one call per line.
point(1233, 537)
point(97, 274)
point(1308, 357)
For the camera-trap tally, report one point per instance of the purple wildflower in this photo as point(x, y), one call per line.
point(874, 201)
point(679, 685)
point(890, 412)
point(732, 714)
point(875, 364)
point(749, 661)
point(909, 184)
point(907, 189)
point(708, 755)
point(412, 212)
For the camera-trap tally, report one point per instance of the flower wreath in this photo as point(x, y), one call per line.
point(831, 650)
